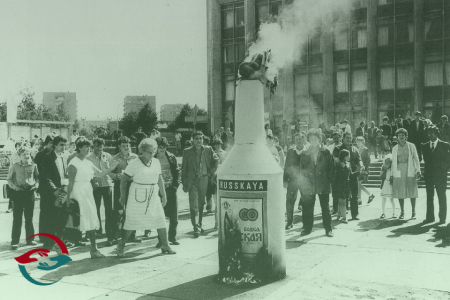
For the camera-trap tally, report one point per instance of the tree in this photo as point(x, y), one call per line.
point(86, 132)
point(29, 110)
point(128, 123)
point(146, 118)
point(76, 125)
point(180, 119)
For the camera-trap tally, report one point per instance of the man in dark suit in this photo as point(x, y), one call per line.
point(416, 133)
point(317, 168)
point(436, 154)
point(400, 123)
point(199, 165)
point(444, 129)
point(38, 160)
point(372, 138)
point(52, 180)
point(387, 129)
point(361, 130)
point(291, 177)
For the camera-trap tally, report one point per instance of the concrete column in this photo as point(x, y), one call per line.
point(214, 65)
point(372, 78)
point(418, 55)
point(328, 78)
point(250, 21)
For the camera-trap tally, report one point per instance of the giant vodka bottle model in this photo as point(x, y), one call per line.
point(250, 191)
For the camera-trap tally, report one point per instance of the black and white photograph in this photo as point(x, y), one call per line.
point(224, 149)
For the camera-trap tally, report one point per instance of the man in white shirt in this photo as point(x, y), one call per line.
point(74, 136)
point(345, 126)
point(336, 141)
point(291, 177)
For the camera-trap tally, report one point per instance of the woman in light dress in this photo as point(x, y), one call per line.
point(405, 172)
point(146, 197)
point(80, 173)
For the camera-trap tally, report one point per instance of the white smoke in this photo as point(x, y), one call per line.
point(287, 36)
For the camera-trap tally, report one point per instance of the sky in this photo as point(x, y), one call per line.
point(104, 50)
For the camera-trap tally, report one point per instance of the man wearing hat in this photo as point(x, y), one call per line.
point(444, 129)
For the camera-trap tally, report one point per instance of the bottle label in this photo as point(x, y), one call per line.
point(243, 185)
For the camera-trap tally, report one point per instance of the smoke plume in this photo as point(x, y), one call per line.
point(287, 36)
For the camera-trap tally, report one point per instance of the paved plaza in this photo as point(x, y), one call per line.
point(366, 259)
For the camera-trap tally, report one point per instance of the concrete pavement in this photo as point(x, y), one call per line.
point(366, 259)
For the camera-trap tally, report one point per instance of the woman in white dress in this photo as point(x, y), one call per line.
point(144, 206)
point(80, 173)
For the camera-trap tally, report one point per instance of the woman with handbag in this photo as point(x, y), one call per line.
point(144, 206)
point(362, 178)
point(80, 173)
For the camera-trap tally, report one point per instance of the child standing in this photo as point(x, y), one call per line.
point(23, 180)
point(379, 142)
point(341, 184)
point(386, 186)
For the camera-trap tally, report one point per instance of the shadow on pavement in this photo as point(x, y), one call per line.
point(202, 288)
point(79, 267)
point(379, 224)
point(441, 234)
point(410, 230)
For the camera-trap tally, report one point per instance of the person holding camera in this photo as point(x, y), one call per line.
point(23, 180)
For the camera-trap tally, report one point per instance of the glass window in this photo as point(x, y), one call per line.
point(240, 17)
point(301, 85)
point(385, 35)
point(387, 78)
point(433, 29)
point(447, 73)
point(228, 19)
point(359, 80)
point(433, 74)
point(229, 88)
point(262, 13)
point(240, 52)
point(316, 83)
point(359, 38)
point(383, 2)
point(342, 81)
point(228, 54)
point(275, 7)
point(341, 40)
point(405, 77)
point(315, 45)
point(405, 32)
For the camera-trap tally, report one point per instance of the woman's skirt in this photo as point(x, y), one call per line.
point(82, 192)
point(144, 209)
point(404, 186)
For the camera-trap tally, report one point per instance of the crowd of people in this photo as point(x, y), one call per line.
point(323, 162)
point(139, 190)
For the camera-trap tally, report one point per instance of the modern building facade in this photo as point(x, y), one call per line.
point(136, 103)
point(383, 58)
point(169, 112)
point(53, 99)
